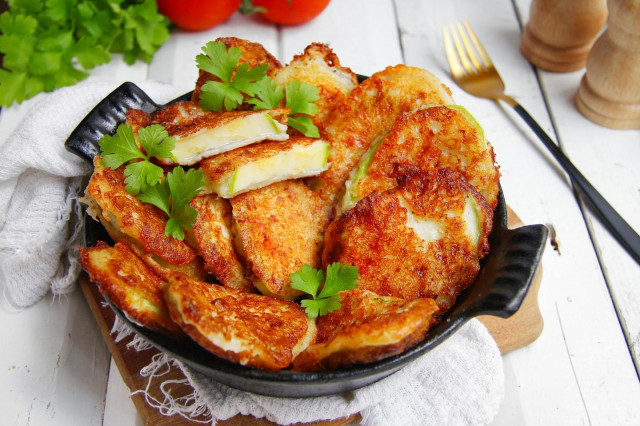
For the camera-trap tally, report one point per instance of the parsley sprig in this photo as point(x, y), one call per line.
point(122, 148)
point(309, 280)
point(238, 80)
point(172, 196)
point(146, 180)
point(221, 62)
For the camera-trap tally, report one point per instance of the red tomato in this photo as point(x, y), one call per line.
point(291, 12)
point(196, 15)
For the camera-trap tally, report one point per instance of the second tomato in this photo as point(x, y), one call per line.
point(196, 15)
point(291, 12)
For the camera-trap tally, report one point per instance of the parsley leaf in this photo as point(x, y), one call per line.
point(246, 78)
point(172, 196)
point(216, 94)
point(119, 148)
point(158, 195)
point(156, 141)
point(216, 59)
point(122, 148)
point(339, 277)
point(268, 94)
point(301, 97)
point(308, 280)
point(219, 61)
point(304, 125)
point(140, 175)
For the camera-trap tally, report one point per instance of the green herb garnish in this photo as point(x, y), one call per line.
point(172, 196)
point(268, 94)
point(122, 148)
point(221, 62)
point(309, 280)
point(146, 180)
point(301, 99)
point(262, 91)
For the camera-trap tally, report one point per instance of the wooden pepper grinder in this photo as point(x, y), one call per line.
point(561, 32)
point(609, 93)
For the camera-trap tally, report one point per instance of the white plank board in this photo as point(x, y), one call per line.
point(55, 372)
point(562, 371)
point(118, 396)
point(362, 33)
point(609, 159)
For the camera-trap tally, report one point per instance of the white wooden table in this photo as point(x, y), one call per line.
point(55, 368)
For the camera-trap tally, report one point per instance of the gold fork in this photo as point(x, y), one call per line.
point(482, 79)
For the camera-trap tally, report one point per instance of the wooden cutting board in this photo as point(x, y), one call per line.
point(517, 331)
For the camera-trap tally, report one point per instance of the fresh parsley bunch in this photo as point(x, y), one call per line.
point(146, 180)
point(52, 43)
point(309, 280)
point(262, 91)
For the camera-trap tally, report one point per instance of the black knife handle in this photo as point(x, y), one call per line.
point(620, 229)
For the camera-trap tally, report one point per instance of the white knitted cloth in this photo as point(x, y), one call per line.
point(459, 382)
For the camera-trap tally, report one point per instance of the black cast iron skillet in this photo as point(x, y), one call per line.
point(504, 279)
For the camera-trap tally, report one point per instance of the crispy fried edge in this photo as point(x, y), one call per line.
point(119, 295)
point(342, 350)
point(268, 363)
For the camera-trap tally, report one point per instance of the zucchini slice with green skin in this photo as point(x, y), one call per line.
point(200, 134)
point(428, 138)
point(262, 164)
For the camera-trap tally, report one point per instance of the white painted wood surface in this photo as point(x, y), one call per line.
point(55, 369)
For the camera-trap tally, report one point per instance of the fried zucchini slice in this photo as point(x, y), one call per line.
point(130, 285)
point(319, 66)
point(253, 53)
point(258, 165)
point(213, 236)
point(423, 238)
point(368, 113)
point(367, 328)
point(432, 138)
point(138, 224)
point(249, 329)
point(279, 228)
point(201, 134)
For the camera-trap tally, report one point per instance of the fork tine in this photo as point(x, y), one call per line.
point(452, 58)
point(461, 53)
point(470, 52)
point(479, 48)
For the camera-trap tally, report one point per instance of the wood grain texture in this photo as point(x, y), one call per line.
point(609, 93)
point(512, 333)
point(560, 34)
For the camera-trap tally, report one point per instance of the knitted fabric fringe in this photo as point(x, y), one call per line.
point(191, 407)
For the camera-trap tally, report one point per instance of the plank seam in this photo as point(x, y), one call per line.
point(564, 339)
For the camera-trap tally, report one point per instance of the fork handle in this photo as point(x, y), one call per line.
point(620, 229)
